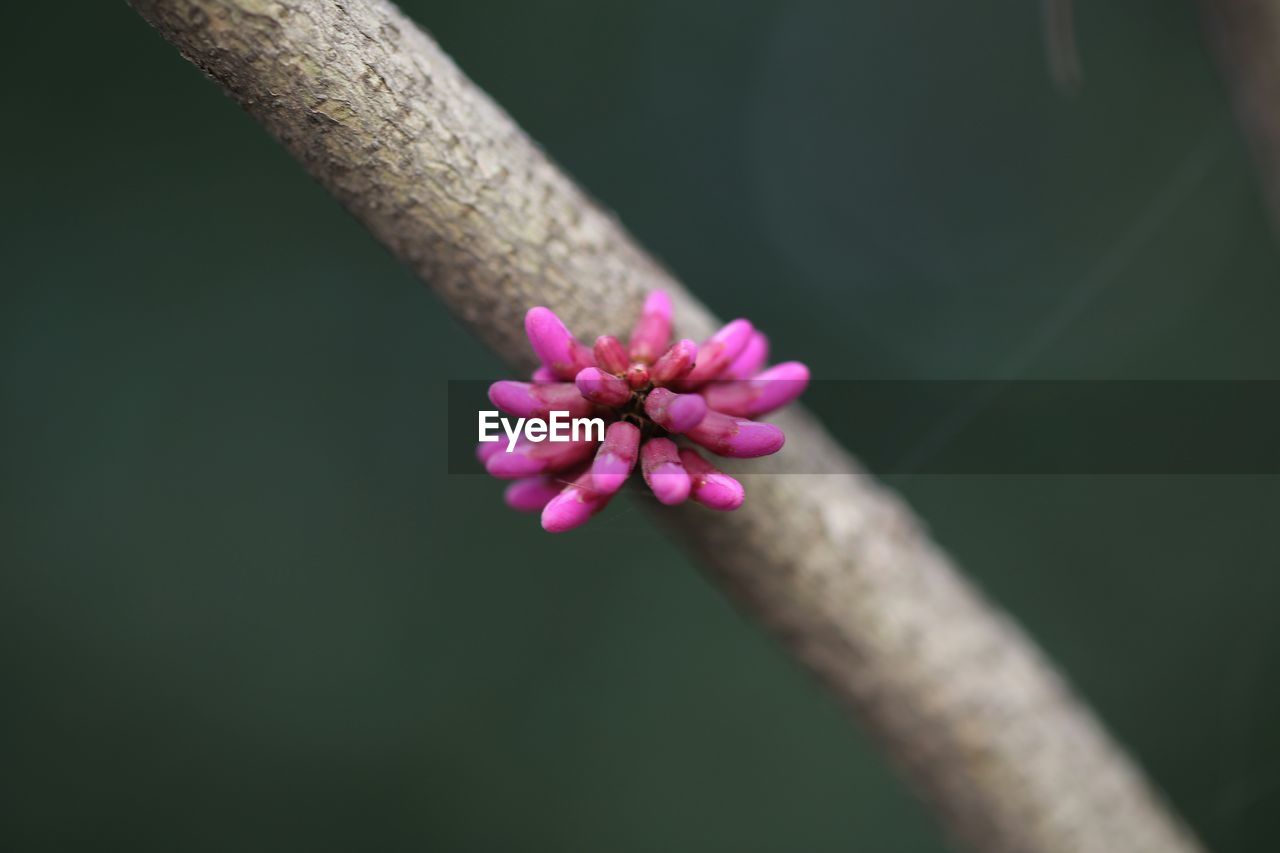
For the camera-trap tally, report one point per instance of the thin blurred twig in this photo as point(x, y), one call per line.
point(834, 565)
point(1246, 37)
point(1060, 44)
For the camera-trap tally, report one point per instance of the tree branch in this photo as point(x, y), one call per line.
point(832, 564)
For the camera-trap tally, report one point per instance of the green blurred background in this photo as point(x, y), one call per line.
point(245, 609)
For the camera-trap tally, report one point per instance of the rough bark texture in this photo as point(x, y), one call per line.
point(834, 565)
point(1246, 35)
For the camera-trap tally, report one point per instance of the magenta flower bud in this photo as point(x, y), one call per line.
point(660, 464)
point(610, 356)
point(528, 458)
point(770, 390)
point(603, 388)
point(736, 437)
point(574, 506)
point(711, 487)
point(637, 376)
point(675, 412)
point(707, 392)
point(526, 400)
point(532, 493)
point(558, 349)
point(653, 329)
point(675, 362)
point(516, 464)
point(616, 457)
point(750, 360)
point(718, 352)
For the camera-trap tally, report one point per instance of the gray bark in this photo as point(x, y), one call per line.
point(835, 566)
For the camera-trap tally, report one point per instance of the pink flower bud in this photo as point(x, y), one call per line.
point(711, 487)
point(528, 458)
point(603, 388)
point(558, 349)
point(532, 493)
point(718, 352)
point(770, 390)
point(750, 360)
point(574, 506)
point(616, 457)
point(675, 362)
point(610, 355)
point(637, 376)
point(708, 393)
point(737, 437)
point(526, 400)
point(653, 329)
point(675, 412)
point(660, 464)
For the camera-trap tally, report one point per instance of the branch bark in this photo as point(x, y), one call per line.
point(1246, 38)
point(835, 566)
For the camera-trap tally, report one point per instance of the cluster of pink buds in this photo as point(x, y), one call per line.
point(649, 393)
